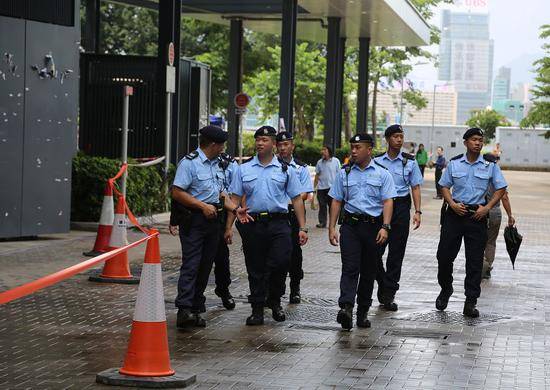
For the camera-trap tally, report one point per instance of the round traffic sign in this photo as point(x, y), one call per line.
point(171, 54)
point(241, 100)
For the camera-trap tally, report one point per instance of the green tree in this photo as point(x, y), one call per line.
point(487, 120)
point(309, 92)
point(540, 113)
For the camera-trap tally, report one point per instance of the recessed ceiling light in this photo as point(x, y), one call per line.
point(375, 21)
point(364, 12)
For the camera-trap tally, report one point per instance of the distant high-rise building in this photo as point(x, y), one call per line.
point(466, 59)
point(501, 85)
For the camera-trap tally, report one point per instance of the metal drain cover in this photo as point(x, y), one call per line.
point(453, 318)
point(416, 333)
point(306, 326)
point(311, 313)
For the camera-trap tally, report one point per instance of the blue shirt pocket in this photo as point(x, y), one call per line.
point(278, 181)
point(249, 182)
point(459, 178)
point(351, 188)
point(481, 179)
point(204, 181)
point(373, 187)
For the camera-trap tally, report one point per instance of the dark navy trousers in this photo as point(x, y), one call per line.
point(295, 271)
point(267, 248)
point(199, 243)
point(388, 278)
point(222, 272)
point(360, 256)
point(453, 230)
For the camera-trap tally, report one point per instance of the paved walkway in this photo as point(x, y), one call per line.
point(62, 336)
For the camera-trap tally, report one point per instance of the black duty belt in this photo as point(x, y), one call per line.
point(219, 208)
point(266, 216)
point(402, 199)
point(352, 219)
point(470, 208)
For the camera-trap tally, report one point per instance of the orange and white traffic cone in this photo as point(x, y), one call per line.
point(147, 362)
point(105, 227)
point(117, 269)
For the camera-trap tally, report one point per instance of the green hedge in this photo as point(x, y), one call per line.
point(144, 193)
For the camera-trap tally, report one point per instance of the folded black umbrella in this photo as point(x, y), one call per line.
point(513, 241)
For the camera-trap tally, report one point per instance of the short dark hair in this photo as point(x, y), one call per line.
point(204, 141)
point(329, 150)
point(440, 147)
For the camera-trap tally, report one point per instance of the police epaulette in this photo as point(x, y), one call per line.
point(380, 165)
point(408, 156)
point(247, 160)
point(490, 157)
point(457, 157)
point(380, 154)
point(227, 157)
point(300, 163)
point(194, 154)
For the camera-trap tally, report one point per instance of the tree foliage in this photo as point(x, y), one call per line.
point(487, 120)
point(540, 113)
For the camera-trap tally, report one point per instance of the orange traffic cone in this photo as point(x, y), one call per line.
point(105, 223)
point(147, 360)
point(117, 269)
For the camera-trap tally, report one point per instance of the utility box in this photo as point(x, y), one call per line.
point(101, 83)
point(39, 49)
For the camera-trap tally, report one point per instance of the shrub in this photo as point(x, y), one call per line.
point(145, 188)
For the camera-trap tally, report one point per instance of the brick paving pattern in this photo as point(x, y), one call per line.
point(62, 336)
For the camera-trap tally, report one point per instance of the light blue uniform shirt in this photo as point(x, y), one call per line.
point(327, 170)
point(200, 177)
point(404, 176)
point(264, 186)
point(470, 181)
point(303, 176)
point(363, 191)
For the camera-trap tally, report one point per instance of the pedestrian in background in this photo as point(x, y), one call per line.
point(326, 170)
point(421, 158)
point(495, 219)
point(440, 165)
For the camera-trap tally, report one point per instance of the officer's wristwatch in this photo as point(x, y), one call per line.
point(418, 212)
point(386, 227)
point(304, 229)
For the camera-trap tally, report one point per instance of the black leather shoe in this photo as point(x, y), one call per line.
point(295, 296)
point(200, 321)
point(470, 310)
point(185, 319)
point(228, 302)
point(345, 317)
point(257, 317)
point(390, 306)
point(278, 313)
point(443, 300)
point(362, 320)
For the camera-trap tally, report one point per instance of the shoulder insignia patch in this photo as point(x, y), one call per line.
point(300, 163)
point(194, 154)
point(488, 157)
point(408, 156)
point(457, 157)
point(227, 157)
point(380, 154)
point(248, 160)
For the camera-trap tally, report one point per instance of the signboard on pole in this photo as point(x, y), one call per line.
point(171, 54)
point(241, 101)
point(171, 79)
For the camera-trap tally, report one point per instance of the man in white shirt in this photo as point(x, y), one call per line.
point(326, 170)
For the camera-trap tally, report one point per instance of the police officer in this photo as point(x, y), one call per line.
point(197, 188)
point(222, 271)
point(367, 190)
point(469, 175)
point(285, 149)
point(407, 178)
point(267, 183)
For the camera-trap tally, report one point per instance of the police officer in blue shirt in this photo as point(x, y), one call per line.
point(366, 188)
point(197, 188)
point(407, 178)
point(285, 149)
point(469, 176)
point(267, 183)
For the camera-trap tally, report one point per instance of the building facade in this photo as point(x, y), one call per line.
point(501, 84)
point(466, 59)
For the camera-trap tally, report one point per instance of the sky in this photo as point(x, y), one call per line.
point(514, 27)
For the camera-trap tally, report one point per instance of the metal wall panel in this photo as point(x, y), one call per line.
point(49, 11)
point(51, 98)
point(12, 89)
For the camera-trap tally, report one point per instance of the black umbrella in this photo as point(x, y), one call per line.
point(513, 242)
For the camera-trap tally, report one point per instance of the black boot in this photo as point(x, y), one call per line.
point(185, 319)
point(470, 309)
point(257, 317)
point(362, 320)
point(345, 316)
point(388, 301)
point(295, 293)
point(443, 299)
point(278, 313)
point(227, 299)
point(200, 321)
